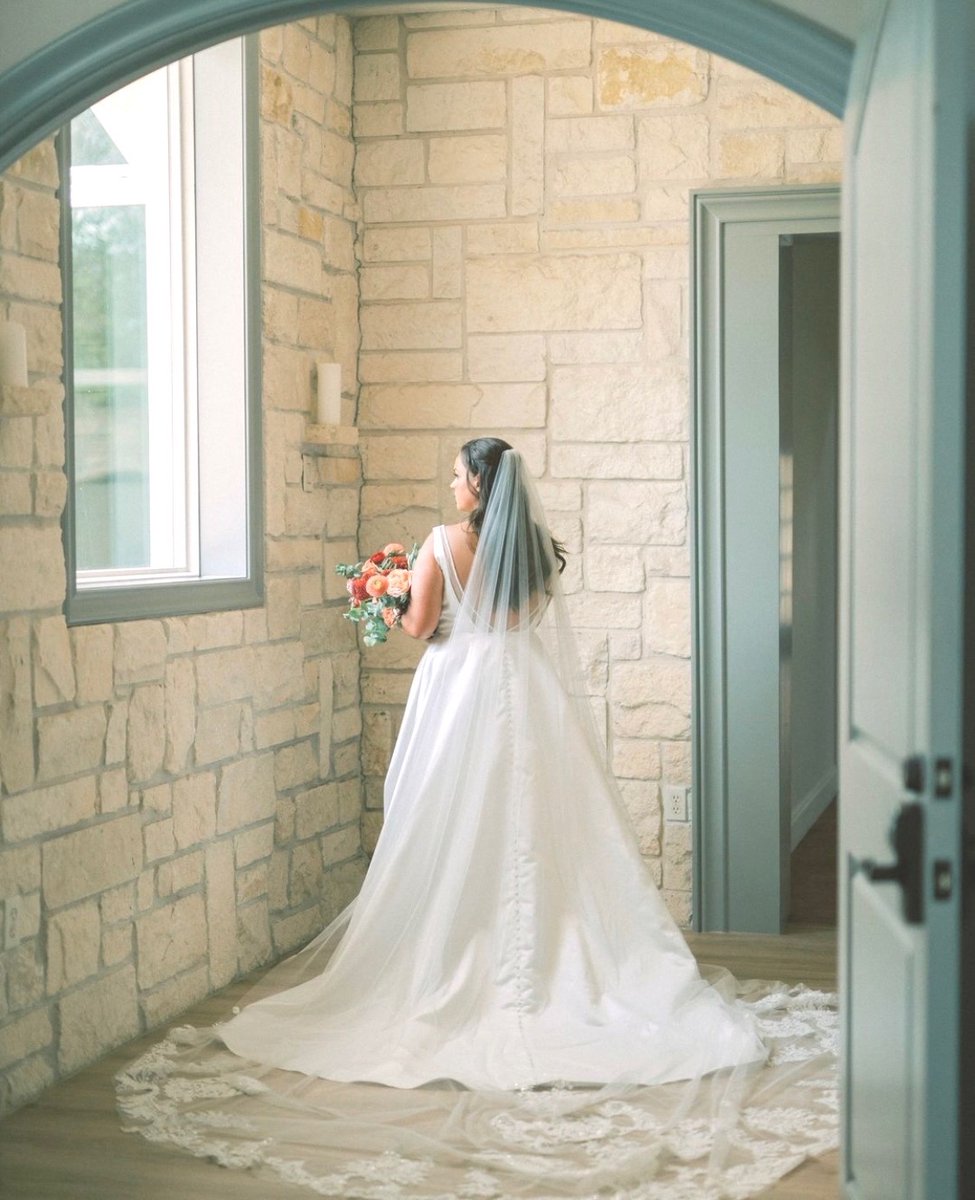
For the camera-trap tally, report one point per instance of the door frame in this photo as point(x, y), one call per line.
point(742, 834)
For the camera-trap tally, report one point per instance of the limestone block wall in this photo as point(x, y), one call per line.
point(524, 176)
point(180, 799)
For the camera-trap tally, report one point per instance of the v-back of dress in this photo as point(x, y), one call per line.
point(453, 593)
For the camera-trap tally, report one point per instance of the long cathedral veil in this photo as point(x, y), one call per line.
point(506, 1009)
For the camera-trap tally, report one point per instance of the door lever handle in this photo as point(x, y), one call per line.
point(907, 838)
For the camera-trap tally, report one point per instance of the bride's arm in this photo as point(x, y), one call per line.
point(426, 594)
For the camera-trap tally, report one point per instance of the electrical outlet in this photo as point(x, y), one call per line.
point(12, 922)
point(676, 802)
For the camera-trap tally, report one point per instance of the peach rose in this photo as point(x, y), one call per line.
point(390, 616)
point(376, 585)
point(398, 581)
point(368, 569)
point(392, 548)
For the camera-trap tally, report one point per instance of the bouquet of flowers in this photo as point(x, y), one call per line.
point(379, 589)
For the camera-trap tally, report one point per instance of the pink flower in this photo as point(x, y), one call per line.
point(390, 616)
point(368, 568)
point(398, 581)
point(376, 585)
point(392, 548)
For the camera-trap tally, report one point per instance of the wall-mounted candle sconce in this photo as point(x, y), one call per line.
point(328, 403)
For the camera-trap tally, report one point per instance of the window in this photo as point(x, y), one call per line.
point(162, 343)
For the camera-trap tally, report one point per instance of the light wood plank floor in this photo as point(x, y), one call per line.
point(67, 1145)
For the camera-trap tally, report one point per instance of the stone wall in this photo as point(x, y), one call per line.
point(523, 177)
point(180, 799)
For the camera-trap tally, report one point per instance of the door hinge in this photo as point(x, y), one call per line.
point(943, 777)
point(907, 839)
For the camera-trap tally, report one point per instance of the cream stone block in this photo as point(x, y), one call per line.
point(218, 733)
point(117, 905)
point(396, 245)
point(341, 844)
point(253, 935)
point(377, 77)
point(607, 175)
point(525, 50)
point(585, 135)
point(496, 358)
point(221, 912)
point(613, 569)
point(158, 800)
point(475, 158)
point(73, 944)
point(676, 761)
point(117, 946)
point(47, 810)
point(625, 645)
point(180, 704)
point(376, 33)
point(30, 279)
point(20, 870)
point(516, 237)
point(569, 95)
point(146, 732)
point(91, 860)
point(340, 244)
point(226, 675)
point(17, 442)
point(42, 587)
point(436, 107)
point(617, 33)
point(274, 728)
point(753, 154)
point(96, 1017)
point(431, 326)
point(761, 103)
point(448, 272)
point(295, 51)
point(619, 404)
point(399, 457)
point(194, 809)
point(665, 204)
point(277, 96)
point(823, 145)
point(16, 499)
point(254, 844)
point(581, 212)
point(663, 74)
point(457, 202)
point(636, 758)
point(93, 664)
point(450, 16)
point(170, 939)
point(652, 698)
point(377, 120)
point(252, 883)
point(115, 737)
point(296, 766)
point(673, 146)
point(664, 318)
point(510, 405)
point(617, 460)
point(321, 69)
point(280, 675)
point(316, 810)
point(630, 513)
point(389, 498)
point(71, 741)
point(16, 707)
point(678, 857)
point(140, 651)
point(159, 841)
point(668, 616)
point(592, 348)
point(642, 801)
point(559, 497)
point(175, 996)
point(246, 792)
point(527, 145)
point(23, 1036)
point(292, 262)
point(556, 292)
point(390, 161)
point(608, 610)
point(407, 282)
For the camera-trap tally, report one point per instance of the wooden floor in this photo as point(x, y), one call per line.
point(67, 1145)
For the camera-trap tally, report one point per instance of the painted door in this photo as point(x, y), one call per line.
point(901, 594)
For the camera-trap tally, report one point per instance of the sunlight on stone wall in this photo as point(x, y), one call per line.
point(180, 799)
point(524, 177)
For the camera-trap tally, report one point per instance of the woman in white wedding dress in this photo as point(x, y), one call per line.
point(507, 1008)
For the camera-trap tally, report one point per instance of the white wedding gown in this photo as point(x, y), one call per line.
point(511, 976)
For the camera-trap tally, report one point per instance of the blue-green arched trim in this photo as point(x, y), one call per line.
point(39, 93)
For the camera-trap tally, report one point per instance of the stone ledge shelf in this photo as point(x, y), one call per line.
point(319, 437)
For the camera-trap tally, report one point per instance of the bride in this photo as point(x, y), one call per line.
point(507, 1008)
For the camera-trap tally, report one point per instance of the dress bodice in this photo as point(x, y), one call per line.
point(452, 591)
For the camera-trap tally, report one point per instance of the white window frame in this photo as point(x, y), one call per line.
point(205, 503)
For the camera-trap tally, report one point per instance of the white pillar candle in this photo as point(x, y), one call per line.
point(329, 406)
point(13, 354)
